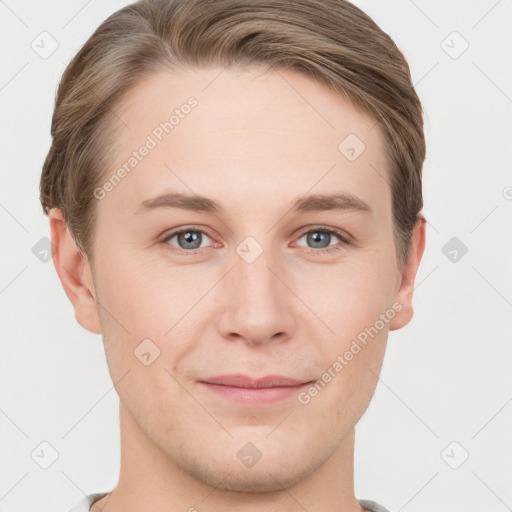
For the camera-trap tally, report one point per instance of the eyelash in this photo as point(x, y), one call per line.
point(344, 241)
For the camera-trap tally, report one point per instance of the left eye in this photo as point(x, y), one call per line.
point(321, 238)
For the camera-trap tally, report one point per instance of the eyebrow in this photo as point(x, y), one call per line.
point(312, 203)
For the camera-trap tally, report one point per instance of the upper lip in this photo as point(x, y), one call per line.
point(244, 381)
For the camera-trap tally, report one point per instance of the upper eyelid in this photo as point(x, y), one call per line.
point(173, 232)
point(321, 228)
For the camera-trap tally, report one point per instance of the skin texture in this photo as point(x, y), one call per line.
point(254, 145)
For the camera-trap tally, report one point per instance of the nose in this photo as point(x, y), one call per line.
point(258, 306)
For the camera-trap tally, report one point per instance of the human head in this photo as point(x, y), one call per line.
point(264, 129)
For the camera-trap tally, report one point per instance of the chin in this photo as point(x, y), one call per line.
point(274, 470)
point(265, 479)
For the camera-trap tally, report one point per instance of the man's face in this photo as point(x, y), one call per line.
point(256, 287)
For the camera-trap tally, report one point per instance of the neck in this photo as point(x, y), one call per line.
point(150, 480)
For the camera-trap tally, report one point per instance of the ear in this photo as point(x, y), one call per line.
point(408, 275)
point(74, 273)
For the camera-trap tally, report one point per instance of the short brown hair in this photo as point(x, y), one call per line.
point(331, 41)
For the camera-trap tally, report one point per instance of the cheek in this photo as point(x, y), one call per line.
point(148, 296)
point(150, 311)
point(348, 297)
point(143, 336)
point(355, 302)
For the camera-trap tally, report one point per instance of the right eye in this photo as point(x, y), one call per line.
point(187, 240)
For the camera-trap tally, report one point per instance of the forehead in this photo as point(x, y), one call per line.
point(242, 132)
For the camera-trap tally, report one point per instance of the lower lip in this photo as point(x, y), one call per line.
point(255, 396)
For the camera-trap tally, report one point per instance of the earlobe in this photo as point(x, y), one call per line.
point(73, 269)
point(405, 292)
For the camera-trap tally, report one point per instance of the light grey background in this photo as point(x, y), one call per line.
point(446, 379)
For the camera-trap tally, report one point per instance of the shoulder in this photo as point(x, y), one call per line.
point(85, 503)
point(372, 506)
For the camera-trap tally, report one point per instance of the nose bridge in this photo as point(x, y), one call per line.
point(255, 280)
